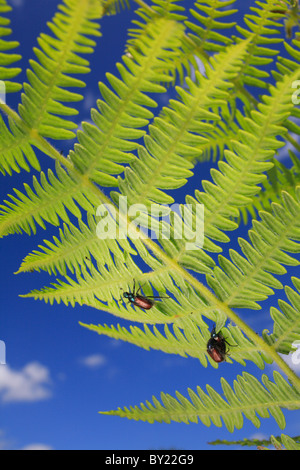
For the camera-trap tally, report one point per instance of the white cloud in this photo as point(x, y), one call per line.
point(10, 444)
point(288, 358)
point(90, 101)
point(29, 384)
point(17, 3)
point(292, 360)
point(115, 343)
point(37, 446)
point(259, 435)
point(201, 66)
point(93, 361)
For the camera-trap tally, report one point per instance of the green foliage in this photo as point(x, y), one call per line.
point(186, 339)
point(7, 72)
point(286, 322)
point(130, 149)
point(248, 397)
point(58, 57)
point(288, 442)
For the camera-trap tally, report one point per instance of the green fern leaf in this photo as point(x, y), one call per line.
point(248, 397)
point(290, 443)
point(74, 249)
point(57, 59)
point(260, 25)
point(203, 121)
point(203, 35)
point(286, 328)
point(65, 291)
point(168, 144)
point(112, 7)
point(286, 64)
point(102, 287)
point(15, 149)
point(279, 178)
point(246, 280)
point(287, 442)
point(210, 15)
point(103, 146)
point(58, 195)
point(7, 72)
point(187, 339)
point(232, 188)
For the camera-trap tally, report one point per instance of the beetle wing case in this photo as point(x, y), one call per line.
point(143, 302)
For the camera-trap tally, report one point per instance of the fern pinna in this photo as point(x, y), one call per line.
point(234, 104)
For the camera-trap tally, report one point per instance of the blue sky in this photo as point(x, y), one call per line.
point(59, 375)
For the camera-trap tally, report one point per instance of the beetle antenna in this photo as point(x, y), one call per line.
point(140, 289)
point(158, 297)
point(121, 300)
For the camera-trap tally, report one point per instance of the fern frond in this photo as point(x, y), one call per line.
point(249, 278)
point(284, 65)
point(112, 7)
point(102, 147)
point(149, 15)
point(259, 25)
point(49, 201)
point(7, 58)
point(238, 179)
point(177, 134)
point(286, 327)
point(74, 249)
point(279, 178)
point(287, 442)
point(205, 36)
point(58, 58)
point(287, 178)
point(218, 139)
point(290, 442)
point(102, 288)
point(87, 287)
point(187, 339)
point(169, 8)
point(249, 397)
point(124, 109)
point(15, 150)
point(208, 22)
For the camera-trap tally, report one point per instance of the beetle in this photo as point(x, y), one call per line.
point(216, 346)
point(139, 300)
